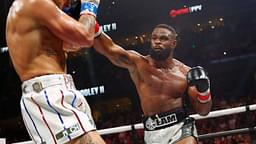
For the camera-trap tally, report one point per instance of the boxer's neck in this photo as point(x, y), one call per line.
point(165, 64)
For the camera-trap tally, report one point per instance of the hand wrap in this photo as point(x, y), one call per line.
point(89, 7)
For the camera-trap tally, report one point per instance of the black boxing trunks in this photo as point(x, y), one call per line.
point(169, 127)
point(163, 120)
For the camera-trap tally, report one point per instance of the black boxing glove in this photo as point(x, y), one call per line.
point(197, 77)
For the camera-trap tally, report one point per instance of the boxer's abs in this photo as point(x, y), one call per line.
point(34, 61)
point(39, 67)
point(156, 105)
point(30, 61)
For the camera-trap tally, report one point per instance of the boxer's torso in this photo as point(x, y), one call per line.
point(160, 89)
point(34, 50)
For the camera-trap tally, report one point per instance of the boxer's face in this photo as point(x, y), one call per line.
point(163, 42)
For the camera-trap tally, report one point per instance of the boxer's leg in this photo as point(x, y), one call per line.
point(187, 140)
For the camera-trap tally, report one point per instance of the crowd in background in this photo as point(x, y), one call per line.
point(16, 131)
point(204, 126)
point(129, 116)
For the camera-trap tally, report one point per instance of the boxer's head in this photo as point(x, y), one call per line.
point(163, 42)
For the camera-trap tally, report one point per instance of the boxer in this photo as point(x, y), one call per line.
point(38, 35)
point(165, 86)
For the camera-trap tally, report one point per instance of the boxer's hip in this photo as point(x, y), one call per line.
point(163, 120)
point(40, 83)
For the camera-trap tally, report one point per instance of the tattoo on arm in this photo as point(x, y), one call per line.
point(87, 21)
point(123, 59)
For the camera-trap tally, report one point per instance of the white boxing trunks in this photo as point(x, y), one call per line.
point(53, 110)
point(168, 128)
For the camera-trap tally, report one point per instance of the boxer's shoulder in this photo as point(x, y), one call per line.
point(135, 55)
point(183, 68)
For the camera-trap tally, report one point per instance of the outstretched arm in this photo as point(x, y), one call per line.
point(116, 54)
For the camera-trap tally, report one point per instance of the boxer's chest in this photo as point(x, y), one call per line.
point(165, 81)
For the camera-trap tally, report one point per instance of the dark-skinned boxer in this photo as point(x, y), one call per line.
point(163, 84)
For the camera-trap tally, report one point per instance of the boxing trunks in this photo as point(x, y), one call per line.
point(53, 110)
point(169, 127)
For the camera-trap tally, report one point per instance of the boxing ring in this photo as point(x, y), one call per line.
point(212, 114)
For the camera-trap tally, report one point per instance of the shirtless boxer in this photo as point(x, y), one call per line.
point(38, 35)
point(163, 85)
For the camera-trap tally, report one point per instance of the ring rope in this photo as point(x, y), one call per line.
point(226, 133)
point(212, 114)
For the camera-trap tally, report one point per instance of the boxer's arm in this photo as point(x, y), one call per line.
point(116, 54)
point(199, 90)
point(64, 27)
point(200, 108)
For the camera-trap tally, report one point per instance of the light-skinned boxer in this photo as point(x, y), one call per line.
point(38, 35)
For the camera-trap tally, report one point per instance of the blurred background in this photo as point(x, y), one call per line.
point(218, 35)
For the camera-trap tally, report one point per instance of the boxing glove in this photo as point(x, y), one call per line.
point(89, 7)
point(98, 30)
point(197, 77)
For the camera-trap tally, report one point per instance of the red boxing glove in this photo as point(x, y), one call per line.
point(98, 30)
point(204, 97)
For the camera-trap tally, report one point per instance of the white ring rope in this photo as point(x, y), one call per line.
point(226, 133)
point(212, 114)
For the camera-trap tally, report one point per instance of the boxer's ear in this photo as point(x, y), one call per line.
point(174, 43)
